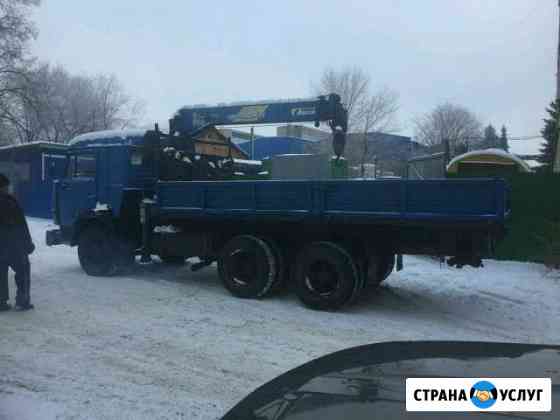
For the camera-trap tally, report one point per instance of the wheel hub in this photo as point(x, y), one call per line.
point(243, 265)
point(322, 278)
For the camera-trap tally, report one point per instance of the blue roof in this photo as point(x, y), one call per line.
point(35, 145)
point(130, 137)
point(265, 147)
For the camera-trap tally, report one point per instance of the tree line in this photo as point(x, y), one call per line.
point(373, 110)
point(42, 102)
point(550, 134)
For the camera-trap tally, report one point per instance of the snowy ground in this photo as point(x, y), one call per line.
point(167, 343)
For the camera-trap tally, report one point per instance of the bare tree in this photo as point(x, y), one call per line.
point(353, 86)
point(449, 122)
point(40, 102)
point(16, 30)
point(58, 106)
point(368, 111)
point(116, 108)
point(375, 114)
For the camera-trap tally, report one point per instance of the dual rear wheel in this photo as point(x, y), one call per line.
point(249, 266)
point(325, 276)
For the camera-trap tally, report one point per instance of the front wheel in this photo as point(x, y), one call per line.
point(96, 252)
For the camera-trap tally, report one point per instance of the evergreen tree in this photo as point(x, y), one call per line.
point(550, 135)
point(491, 139)
point(503, 143)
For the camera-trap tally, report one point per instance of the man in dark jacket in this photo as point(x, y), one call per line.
point(15, 247)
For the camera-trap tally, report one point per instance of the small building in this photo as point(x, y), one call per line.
point(32, 168)
point(237, 136)
point(389, 152)
point(208, 140)
point(486, 163)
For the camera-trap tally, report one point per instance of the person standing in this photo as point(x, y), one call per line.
point(15, 247)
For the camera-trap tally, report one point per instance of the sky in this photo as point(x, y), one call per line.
point(496, 57)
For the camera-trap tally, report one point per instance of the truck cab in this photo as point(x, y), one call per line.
point(107, 173)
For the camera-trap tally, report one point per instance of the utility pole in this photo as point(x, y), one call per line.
point(556, 162)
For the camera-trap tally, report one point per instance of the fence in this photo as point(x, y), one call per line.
point(534, 226)
point(430, 166)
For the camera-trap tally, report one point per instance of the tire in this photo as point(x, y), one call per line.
point(379, 267)
point(126, 256)
point(326, 276)
point(96, 252)
point(172, 259)
point(279, 260)
point(247, 267)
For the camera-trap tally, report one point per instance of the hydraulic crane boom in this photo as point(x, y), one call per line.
point(322, 109)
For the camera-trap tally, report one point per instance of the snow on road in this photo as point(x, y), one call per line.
point(163, 342)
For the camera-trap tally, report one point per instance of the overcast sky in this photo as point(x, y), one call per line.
point(497, 57)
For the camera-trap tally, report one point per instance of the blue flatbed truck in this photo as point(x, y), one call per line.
point(146, 193)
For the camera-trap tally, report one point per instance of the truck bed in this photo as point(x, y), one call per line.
point(449, 201)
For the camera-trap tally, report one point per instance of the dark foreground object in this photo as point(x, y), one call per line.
point(368, 382)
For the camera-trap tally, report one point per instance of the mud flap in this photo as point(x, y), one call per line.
point(399, 262)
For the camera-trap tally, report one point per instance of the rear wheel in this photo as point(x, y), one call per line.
point(96, 252)
point(326, 277)
point(247, 267)
point(279, 260)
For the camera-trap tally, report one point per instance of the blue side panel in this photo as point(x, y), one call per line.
point(284, 196)
point(363, 196)
point(350, 201)
point(457, 198)
point(235, 196)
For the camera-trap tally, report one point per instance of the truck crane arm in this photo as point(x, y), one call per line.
point(327, 108)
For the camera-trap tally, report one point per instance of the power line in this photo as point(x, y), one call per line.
point(526, 138)
point(510, 138)
point(513, 138)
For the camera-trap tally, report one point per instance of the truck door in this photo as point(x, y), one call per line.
point(77, 192)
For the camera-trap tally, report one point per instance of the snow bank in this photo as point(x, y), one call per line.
point(26, 407)
point(248, 162)
point(106, 134)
